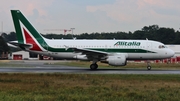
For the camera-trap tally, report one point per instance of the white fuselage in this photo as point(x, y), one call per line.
point(135, 49)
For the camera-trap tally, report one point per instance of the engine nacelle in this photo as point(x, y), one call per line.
point(117, 60)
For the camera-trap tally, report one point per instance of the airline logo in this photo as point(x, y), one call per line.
point(124, 43)
point(31, 41)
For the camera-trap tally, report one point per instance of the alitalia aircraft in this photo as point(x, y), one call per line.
point(114, 52)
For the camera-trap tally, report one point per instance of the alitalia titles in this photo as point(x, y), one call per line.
point(124, 43)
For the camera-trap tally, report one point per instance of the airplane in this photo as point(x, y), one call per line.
point(113, 52)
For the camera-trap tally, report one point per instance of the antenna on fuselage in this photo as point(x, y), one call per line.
point(147, 39)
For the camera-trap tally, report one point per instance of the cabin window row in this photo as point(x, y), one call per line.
point(102, 46)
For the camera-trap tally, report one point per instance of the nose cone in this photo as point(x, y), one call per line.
point(171, 53)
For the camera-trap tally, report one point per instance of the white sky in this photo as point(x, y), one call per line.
point(92, 15)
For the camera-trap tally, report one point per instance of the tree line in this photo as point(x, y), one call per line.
point(152, 32)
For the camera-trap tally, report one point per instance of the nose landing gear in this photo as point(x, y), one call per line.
point(148, 65)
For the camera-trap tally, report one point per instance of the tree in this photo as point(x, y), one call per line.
point(12, 36)
point(166, 35)
point(3, 45)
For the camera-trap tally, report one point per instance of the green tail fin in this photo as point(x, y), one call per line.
point(26, 33)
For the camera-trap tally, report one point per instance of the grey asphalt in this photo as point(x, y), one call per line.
point(76, 70)
point(40, 67)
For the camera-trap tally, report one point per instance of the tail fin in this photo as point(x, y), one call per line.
point(26, 33)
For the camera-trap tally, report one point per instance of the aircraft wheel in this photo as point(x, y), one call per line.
point(149, 67)
point(93, 66)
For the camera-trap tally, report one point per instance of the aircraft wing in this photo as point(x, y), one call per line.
point(87, 51)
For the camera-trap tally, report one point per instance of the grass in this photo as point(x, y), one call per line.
point(87, 87)
point(12, 63)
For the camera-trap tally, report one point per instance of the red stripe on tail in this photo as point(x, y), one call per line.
point(30, 40)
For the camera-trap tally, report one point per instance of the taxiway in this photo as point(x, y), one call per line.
point(77, 70)
point(41, 67)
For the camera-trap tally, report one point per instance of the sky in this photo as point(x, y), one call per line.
point(88, 16)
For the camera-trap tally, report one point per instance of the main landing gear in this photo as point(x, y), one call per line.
point(148, 65)
point(93, 66)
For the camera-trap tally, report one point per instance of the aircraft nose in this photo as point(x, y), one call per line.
point(171, 53)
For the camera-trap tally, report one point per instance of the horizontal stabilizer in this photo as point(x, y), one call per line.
point(19, 45)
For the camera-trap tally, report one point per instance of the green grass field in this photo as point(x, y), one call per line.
point(86, 87)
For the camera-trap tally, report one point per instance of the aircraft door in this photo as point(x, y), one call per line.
point(149, 47)
point(106, 48)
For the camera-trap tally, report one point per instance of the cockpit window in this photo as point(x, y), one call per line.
point(162, 46)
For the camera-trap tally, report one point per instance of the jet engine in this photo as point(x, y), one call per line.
point(117, 60)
